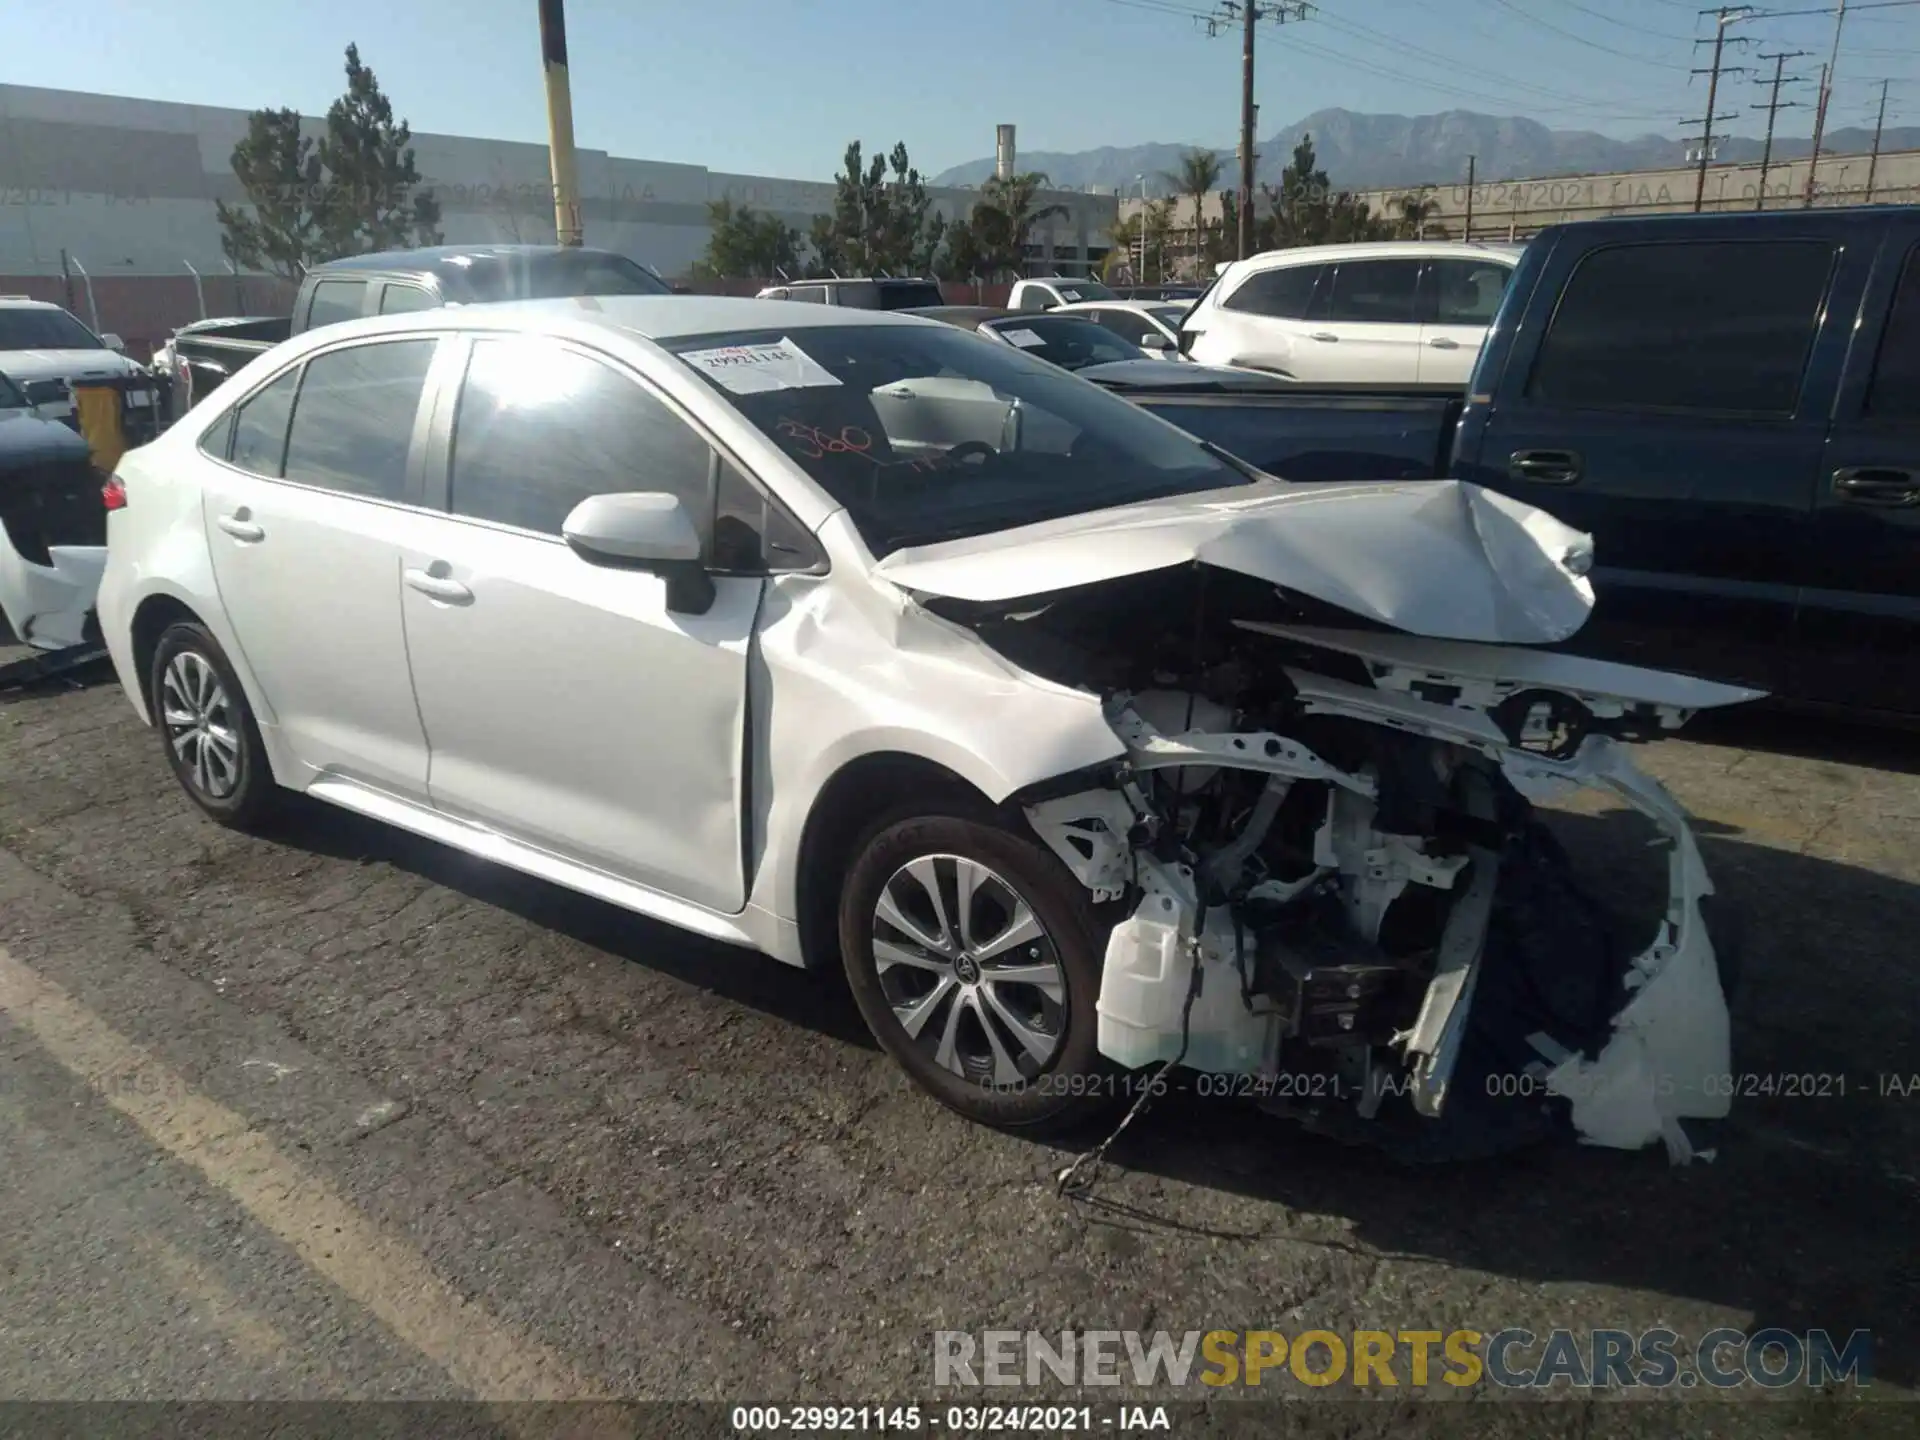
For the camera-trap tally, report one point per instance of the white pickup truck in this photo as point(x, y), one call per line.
point(1053, 291)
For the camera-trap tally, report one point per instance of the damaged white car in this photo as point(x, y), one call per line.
point(1085, 748)
point(53, 523)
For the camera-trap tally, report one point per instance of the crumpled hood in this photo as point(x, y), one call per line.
point(22, 366)
point(1440, 558)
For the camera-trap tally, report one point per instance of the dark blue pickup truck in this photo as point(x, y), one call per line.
point(1729, 404)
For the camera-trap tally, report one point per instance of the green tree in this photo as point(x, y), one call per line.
point(1305, 209)
point(1003, 219)
point(882, 219)
point(1414, 220)
point(746, 243)
point(354, 189)
point(1141, 243)
point(1195, 179)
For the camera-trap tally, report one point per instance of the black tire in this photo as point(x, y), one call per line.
point(1071, 1086)
point(242, 795)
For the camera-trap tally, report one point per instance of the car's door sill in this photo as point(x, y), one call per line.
point(487, 844)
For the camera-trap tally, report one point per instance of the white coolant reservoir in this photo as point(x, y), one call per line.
point(1143, 988)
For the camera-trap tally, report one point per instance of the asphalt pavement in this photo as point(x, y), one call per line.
point(343, 1115)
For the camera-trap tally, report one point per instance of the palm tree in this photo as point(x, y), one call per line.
point(1196, 178)
point(1005, 215)
point(1415, 220)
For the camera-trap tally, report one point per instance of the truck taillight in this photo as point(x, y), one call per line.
point(113, 493)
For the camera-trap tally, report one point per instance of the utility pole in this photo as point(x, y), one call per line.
point(1826, 97)
point(1249, 13)
point(1873, 160)
point(1723, 16)
point(1471, 160)
point(566, 184)
point(1773, 107)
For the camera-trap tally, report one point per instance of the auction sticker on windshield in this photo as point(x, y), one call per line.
point(1025, 339)
point(754, 369)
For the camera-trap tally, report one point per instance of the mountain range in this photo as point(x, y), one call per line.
point(1365, 152)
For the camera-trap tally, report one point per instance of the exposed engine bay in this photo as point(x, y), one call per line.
point(1329, 882)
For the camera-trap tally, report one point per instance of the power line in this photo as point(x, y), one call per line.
point(1248, 14)
point(1602, 15)
point(1590, 44)
point(1722, 18)
point(1773, 108)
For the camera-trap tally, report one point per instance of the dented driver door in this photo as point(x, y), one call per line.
point(566, 705)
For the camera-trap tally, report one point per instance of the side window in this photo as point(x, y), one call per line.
point(1466, 292)
point(1282, 292)
point(334, 301)
point(1371, 292)
point(1035, 297)
point(1721, 326)
point(353, 419)
point(778, 294)
point(752, 532)
point(260, 427)
point(541, 427)
point(1895, 392)
point(396, 299)
point(1127, 324)
point(810, 294)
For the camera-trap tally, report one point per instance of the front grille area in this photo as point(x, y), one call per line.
point(52, 504)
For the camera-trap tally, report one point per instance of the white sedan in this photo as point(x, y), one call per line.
point(1150, 324)
point(850, 638)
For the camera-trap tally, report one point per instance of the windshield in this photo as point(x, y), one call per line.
point(927, 433)
point(1169, 315)
point(37, 329)
point(909, 295)
point(1075, 291)
point(1068, 341)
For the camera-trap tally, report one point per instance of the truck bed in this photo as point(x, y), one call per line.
point(1322, 432)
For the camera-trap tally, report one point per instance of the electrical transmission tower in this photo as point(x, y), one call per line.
point(1247, 15)
point(1773, 107)
point(1723, 16)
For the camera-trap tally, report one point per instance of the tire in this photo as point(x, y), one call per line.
point(212, 745)
point(946, 1042)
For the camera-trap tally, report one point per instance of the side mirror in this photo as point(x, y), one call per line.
point(644, 530)
point(113, 342)
point(1154, 340)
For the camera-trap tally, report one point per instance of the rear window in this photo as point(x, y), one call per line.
point(1707, 325)
point(1282, 292)
point(1895, 394)
point(909, 295)
point(549, 275)
point(334, 301)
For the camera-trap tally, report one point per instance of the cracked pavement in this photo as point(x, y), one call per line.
point(341, 1113)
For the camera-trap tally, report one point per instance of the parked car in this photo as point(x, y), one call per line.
point(729, 612)
point(1730, 406)
point(1151, 325)
point(393, 282)
point(867, 293)
point(44, 350)
point(52, 527)
point(1051, 292)
point(1092, 351)
point(1396, 312)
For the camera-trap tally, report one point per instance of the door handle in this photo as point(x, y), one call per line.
point(1323, 335)
point(1877, 485)
point(241, 528)
point(1441, 342)
point(1544, 467)
point(440, 587)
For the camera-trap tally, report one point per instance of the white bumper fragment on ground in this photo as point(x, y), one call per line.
point(46, 606)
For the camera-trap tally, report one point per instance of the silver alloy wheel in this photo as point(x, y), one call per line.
point(969, 970)
point(201, 725)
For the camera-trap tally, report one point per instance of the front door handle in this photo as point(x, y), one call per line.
point(1441, 342)
point(440, 587)
point(1323, 335)
point(240, 527)
point(1877, 485)
point(1544, 467)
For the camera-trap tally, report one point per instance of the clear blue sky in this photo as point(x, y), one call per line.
point(755, 87)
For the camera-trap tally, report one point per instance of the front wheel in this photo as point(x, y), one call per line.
point(975, 958)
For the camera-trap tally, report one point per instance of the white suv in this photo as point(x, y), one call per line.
point(1400, 312)
point(724, 611)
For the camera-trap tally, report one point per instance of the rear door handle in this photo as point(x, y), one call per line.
point(1441, 342)
point(1544, 467)
point(241, 528)
point(1323, 335)
point(1877, 485)
point(440, 587)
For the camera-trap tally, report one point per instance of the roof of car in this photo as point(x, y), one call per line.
point(656, 317)
point(1382, 250)
point(22, 302)
point(1143, 306)
point(440, 257)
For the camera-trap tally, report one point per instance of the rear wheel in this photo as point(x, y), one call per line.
point(207, 728)
point(974, 957)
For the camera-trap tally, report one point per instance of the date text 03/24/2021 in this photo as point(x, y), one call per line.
point(960, 1419)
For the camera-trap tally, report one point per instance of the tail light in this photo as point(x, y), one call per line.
point(113, 493)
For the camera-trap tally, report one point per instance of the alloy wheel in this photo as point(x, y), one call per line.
point(201, 725)
point(969, 971)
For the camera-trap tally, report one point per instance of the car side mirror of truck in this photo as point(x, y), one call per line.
point(648, 530)
point(1154, 340)
point(113, 342)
